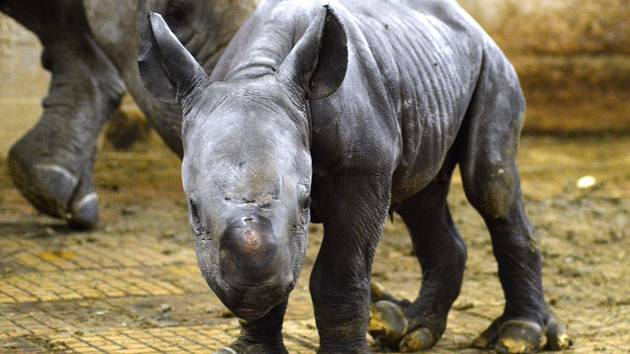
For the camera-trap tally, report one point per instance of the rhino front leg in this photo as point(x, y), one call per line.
point(353, 212)
point(413, 326)
point(52, 163)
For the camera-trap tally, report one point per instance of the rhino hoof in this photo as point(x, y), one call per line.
point(48, 187)
point(84, 213)
point(392, 329)
point(388, 323)
point(523, 336)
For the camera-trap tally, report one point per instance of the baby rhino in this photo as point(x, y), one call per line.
point(344, 112)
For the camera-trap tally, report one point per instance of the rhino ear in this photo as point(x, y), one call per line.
point(319, 60)
point(167, 69)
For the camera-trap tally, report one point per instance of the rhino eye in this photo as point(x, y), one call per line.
point(305, 197)
point(306, 204)
point(176, 12)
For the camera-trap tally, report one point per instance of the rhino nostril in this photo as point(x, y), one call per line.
point(248, 219)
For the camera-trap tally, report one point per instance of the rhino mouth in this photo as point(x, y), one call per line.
point(251, 303)
point(248, 314)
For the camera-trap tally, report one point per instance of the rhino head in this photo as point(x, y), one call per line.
point(247, 162)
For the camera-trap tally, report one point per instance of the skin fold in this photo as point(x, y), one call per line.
point(344, 112)
point(90, 49)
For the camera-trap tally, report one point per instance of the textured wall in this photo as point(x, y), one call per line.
point(23, 82)
point(573, 57)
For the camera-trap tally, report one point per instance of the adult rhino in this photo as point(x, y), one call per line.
point(360, 108)
point(90, 49)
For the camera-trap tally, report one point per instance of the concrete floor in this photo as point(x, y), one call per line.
point(132, 286)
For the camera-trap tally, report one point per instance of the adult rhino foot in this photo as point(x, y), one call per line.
point(226, 350)
point(245, 347)
point(517, 336)
point(57, 192)
point(393, 328)
point(83, 211)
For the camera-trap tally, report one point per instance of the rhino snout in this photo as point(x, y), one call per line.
point(253, 256)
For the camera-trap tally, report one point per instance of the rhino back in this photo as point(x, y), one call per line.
point(412, 73)
point(412, 70)
point(429, 55)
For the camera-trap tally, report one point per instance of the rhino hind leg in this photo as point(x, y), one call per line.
point(492, 185)
point(52, 163)
point(527, 324)
point(413, 326)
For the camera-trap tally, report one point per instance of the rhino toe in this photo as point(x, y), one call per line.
point(84, 213)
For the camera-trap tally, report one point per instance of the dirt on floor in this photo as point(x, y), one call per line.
point(132, 285)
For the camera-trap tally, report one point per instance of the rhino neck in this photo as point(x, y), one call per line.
point(265, 40)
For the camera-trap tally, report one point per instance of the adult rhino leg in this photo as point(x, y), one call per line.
point(492, 185)
point(52, 163)
point(412, 326)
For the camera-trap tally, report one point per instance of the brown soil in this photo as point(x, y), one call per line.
point(584, 232)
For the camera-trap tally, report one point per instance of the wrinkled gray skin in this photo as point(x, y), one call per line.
point(90, 49)
point(364, 107)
